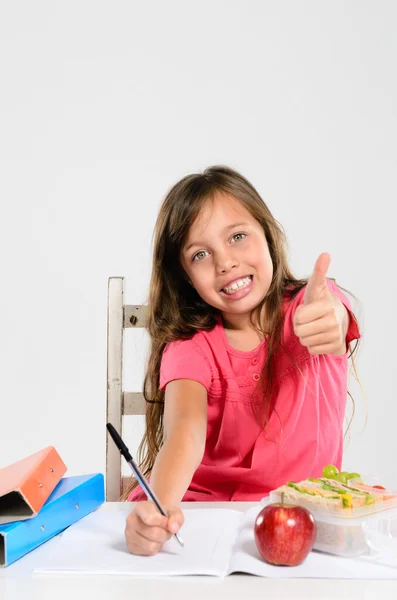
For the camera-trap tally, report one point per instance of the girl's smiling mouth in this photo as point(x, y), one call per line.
point(239, 288)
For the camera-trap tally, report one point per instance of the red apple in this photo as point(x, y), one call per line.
point(284, 533)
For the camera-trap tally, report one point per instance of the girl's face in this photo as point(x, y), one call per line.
point(226, 257)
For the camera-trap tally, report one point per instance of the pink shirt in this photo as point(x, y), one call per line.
point(240, 461)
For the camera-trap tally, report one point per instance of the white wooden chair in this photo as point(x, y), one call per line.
point(118, 402)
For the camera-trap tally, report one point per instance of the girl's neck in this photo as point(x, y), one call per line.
point(241, 333)
point(244, 324)
point(241, 323)
point(245, 341)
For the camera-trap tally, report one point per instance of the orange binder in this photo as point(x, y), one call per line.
point(26, 484)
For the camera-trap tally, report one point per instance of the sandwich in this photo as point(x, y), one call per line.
point(332, 494)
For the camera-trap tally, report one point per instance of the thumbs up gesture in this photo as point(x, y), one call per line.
point(321, 321)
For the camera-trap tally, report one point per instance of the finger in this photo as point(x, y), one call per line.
point(320, 339)
point(317, 285)
point(322, 325)
point(146, 541)
point(305, 314)
point(143, 548)
point(175, 520)
point(152, 534)
point(150, 515)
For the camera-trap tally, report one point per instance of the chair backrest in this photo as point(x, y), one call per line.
point(118, 402)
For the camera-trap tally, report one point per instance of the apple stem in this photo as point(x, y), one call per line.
point(282, 498)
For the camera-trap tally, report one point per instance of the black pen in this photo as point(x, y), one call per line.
point(138, 473)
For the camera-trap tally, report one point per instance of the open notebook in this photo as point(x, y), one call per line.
point(217, 541)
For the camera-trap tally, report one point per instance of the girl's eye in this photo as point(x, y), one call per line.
point(238, 236)
point(200, 255)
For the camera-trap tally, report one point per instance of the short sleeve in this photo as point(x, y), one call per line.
point(353, 331)
point(184, 359)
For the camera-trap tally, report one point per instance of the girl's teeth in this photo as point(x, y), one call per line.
point(237, 285)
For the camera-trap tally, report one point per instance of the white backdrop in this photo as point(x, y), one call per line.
point(104, 105)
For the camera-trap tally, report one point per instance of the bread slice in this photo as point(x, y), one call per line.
point(312, 497)
point(326, 493)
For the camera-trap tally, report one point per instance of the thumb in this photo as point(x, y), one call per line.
point(317, 285)
point(175, 519)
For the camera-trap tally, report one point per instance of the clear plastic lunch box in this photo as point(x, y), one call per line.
point(350, 532)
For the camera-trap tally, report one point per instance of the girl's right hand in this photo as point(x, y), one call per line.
point(147, 529)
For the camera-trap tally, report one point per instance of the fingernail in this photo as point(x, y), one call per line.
point(174, 527)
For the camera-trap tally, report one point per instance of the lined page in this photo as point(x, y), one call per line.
point(96, 545)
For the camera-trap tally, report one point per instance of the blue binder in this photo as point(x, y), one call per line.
point(72, 499)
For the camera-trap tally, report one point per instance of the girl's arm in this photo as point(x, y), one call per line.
point(185, 430)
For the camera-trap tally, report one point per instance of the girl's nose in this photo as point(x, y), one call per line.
point(225, 263)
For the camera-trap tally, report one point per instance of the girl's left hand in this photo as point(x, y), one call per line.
point(321, 321)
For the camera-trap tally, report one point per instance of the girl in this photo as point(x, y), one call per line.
point(247, 376)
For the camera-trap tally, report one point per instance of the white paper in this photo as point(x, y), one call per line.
point(96, 545)
point(246, 559)
point(217, 542)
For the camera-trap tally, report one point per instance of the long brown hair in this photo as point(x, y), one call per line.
point(176, 311)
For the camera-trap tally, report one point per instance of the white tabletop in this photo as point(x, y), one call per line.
point(18, 581)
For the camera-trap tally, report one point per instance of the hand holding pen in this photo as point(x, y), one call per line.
point(151, 529)
point(147, 530)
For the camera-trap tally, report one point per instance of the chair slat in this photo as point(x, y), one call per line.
point(114, 384)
